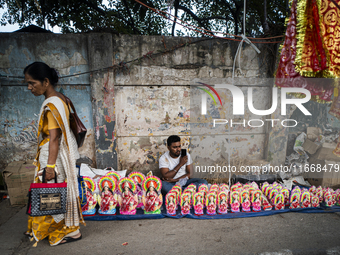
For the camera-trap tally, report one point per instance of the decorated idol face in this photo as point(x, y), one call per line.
point(106, 188)
point(235, 196)
point(126, 187)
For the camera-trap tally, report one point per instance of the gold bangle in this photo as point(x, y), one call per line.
point(50, 166)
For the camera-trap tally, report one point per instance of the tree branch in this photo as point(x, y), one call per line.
point(132, 21)
point(95, 7)
point(199, 20)
point(175, 19)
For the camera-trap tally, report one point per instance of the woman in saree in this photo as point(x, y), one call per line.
point(57, 153)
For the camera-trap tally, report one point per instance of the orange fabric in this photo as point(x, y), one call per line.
point(50, 122)
point(45, 226)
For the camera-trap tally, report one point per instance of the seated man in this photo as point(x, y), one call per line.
point(173, 167)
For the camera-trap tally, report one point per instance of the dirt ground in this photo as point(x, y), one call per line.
point(288, 233)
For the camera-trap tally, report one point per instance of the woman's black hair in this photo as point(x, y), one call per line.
point(40, 71)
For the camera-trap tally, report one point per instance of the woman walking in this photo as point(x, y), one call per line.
point(57, 153)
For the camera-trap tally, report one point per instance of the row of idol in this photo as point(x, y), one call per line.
point(128, 193)
point(219, 199)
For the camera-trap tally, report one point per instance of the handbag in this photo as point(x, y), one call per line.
point(77, 127)
point(47, 198)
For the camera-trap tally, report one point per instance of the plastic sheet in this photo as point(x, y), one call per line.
point(140, 214)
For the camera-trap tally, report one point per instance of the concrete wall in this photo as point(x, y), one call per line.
point(20, 109)
point(130, 114)
point(153, 101)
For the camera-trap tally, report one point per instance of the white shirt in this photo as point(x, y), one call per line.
point(166, 161)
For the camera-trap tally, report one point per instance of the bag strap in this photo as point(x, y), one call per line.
point(69, 103)
point(44, 176)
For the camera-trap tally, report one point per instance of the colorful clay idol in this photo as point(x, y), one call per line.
point(152, 199)
point(315, 201)
point(312, 190)
point(294, 200)
point(185, 203)
point(333, 198)
point(265, 204)
point(191, 191)
point(198, 203)
point(202, 187)
point(224, 187)
point(107, 199)
point(279, 201)
point(114, 176)
point(214, 187)
point(246, 186)
point(256, 201)
point(211, 203)
point(272, 195)
point(192, 186)
point(254, 185)
point(89, 209)
point(234, 201)
point(285, 193)
point(204, 192)
point(177, 188)
point(245, 201)
point(319, 193)
point(222, 202)
point(178, 196)
point(328, 199)
point(264, 187)
point(171, 203)
point(305, 199)
point(128, 199)
point(138, 178)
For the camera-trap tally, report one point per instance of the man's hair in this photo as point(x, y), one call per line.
point(173, 139)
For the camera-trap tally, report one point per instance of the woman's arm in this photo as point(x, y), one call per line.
point(52, 152)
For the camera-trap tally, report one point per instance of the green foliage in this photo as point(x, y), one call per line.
point(130, 17)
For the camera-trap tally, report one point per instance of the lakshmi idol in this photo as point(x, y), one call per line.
point(222, 202)
point(198, 203)
point(211, 203)
point(89, 209)
point(107, 199)
point(256, 201)
point(128, 200)
point(138, 178)
point(152, 200)
point(170, 203)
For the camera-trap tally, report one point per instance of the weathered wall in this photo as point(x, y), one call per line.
point(129, 115)
point(153, 101)
point(20, 109)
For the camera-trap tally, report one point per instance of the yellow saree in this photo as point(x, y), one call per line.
point(56, 227)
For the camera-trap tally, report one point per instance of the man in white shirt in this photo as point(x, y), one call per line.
point(173, 167)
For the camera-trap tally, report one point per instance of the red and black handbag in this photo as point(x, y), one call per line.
point(47, 198)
